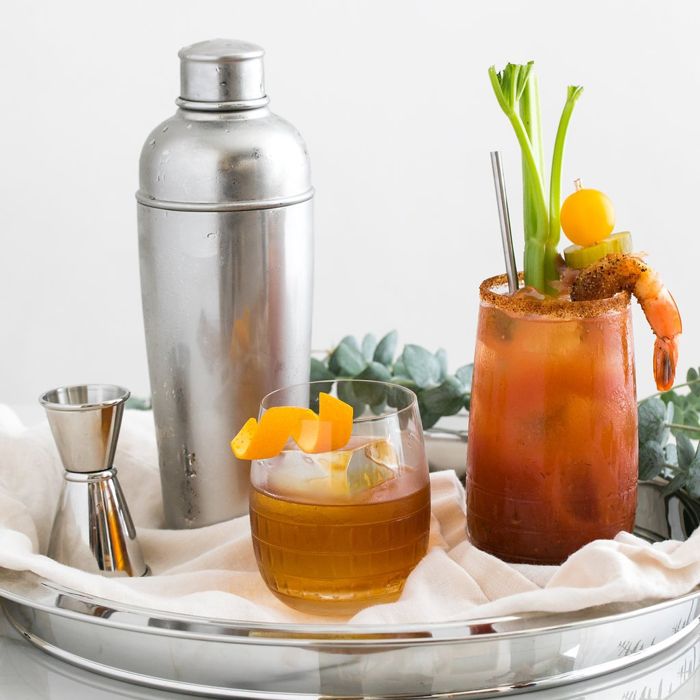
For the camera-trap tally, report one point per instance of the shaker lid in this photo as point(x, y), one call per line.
point(218, 152)
point(222, 75)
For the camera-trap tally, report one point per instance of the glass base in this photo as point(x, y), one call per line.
point(525, 555)
point(339, 605)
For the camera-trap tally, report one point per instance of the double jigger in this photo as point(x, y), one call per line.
point(92, 530)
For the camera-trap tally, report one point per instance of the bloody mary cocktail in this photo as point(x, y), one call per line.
point(552, 455)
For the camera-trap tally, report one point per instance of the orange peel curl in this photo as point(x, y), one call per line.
point(326, 431)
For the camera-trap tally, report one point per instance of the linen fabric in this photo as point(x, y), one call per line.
point(212, 571)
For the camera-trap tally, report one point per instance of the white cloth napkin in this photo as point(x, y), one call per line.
point(212, 571)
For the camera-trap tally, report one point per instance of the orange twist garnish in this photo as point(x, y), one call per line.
point(329, 430)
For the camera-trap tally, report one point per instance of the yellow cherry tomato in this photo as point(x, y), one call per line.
point(587, 217)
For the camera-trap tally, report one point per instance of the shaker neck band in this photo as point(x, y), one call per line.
point(236, 106)
point(148, 200)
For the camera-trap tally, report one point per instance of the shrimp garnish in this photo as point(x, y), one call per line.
point(619, 272)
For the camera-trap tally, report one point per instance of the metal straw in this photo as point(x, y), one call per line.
point(504, 218)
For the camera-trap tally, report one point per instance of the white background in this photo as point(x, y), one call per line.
point(394, 102)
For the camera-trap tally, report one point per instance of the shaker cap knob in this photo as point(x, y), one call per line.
point(222, 75)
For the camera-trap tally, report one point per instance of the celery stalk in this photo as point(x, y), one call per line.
point(529, 109)
point(509, 86)
point(517, 93)
point(530, 115)
point(572, 95)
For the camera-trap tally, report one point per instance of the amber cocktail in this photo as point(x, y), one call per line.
point(552, 456)
point(340, 530)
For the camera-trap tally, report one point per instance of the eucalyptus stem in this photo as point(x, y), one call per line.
point(672, 468)
point(690, 382)
point(682, 426)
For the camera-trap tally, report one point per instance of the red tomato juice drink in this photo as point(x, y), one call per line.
point(552, 452)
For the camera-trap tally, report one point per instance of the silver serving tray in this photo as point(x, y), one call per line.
point(467, 658)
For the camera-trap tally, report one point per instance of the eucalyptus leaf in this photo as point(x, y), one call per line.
point(406, 382)
point(445, 399)
point(346, 361)
point(692, 485)
point(651, 415)
point(372, 393)
point(684, 450)
point(693, 400)
point(386, 349)
point(672, 396)
point(664, 431)
point(691, 417)
point(651, 460)
point(679, 419)
point(429, 419)
point(369, 346)
point(465, 374)
point(346, 393)
point(678, 482)
point(693, 377)
point(139, 403)
point(416, 369)
point(441, 357)
point(375, 372)
point(319, 371)
point(379, 408)
point(350, 341)
point(671, 454)
point(399, 368)
point(422, 366)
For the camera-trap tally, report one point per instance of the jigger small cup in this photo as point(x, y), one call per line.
point(92, 529)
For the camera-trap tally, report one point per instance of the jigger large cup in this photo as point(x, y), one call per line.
point(92, 530)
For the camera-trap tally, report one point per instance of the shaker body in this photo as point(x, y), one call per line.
point(226, 257)
point(227, 310)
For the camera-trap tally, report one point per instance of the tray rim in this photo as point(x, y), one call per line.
point(121, 673)
point(315, 635)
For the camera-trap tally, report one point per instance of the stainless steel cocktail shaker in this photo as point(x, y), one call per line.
point(226, 256)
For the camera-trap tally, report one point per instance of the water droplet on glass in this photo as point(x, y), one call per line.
point(152, 143)
point(164, 129)
point(189, 126)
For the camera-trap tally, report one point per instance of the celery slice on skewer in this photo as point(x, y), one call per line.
point(578, 257)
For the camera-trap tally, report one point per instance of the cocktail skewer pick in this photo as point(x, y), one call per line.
point(504, 219)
